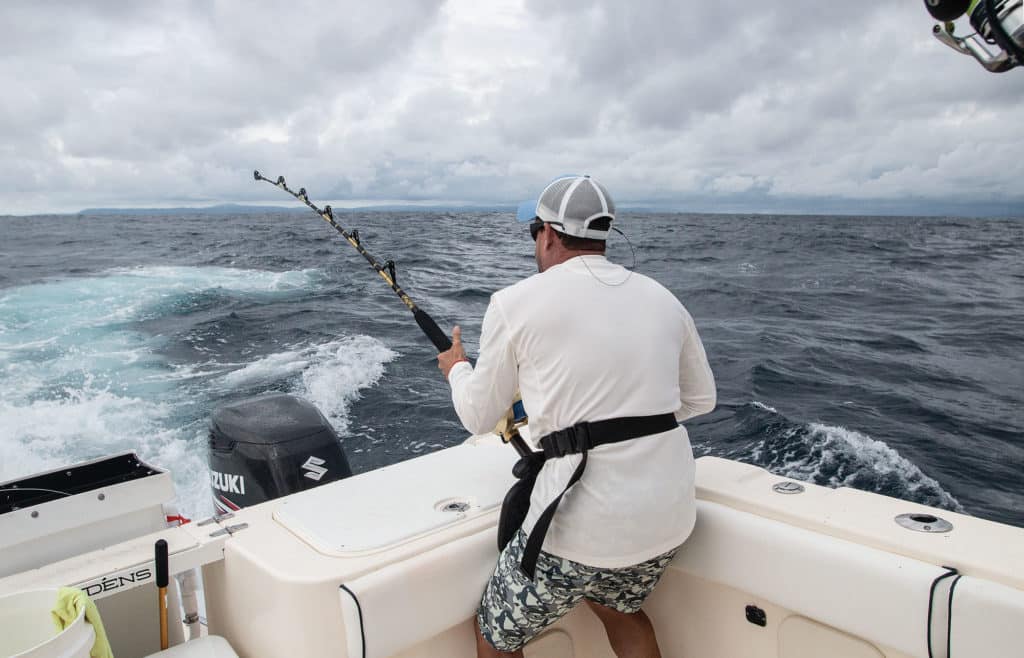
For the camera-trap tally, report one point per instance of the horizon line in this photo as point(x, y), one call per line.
point(869, 208)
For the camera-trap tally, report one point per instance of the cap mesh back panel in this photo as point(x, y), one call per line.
point(607, 197)
point(584, 202)
point(552, 197)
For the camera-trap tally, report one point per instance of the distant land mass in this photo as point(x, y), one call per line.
point(696, 205)
point(221, 209)
point(240, 209)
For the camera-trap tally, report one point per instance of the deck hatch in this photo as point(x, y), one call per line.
point(375, 511)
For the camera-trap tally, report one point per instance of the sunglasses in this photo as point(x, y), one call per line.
point(536, 225)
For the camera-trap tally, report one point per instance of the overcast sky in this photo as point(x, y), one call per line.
point(730, 105)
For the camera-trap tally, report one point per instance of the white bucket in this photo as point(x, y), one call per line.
point(27, 629)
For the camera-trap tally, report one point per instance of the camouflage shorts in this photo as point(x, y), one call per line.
point(514, 610)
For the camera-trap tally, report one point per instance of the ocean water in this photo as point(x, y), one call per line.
point(883, 354)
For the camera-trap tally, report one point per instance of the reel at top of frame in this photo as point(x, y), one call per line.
point(998, 25)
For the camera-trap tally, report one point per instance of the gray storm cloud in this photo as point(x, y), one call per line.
point(731, 105)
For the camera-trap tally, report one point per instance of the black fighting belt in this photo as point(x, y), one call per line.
point(574, 440)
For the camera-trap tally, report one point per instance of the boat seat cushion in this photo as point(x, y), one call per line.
point(877, 596)
point(431, 593)
point(868, 593)
point(988, 619)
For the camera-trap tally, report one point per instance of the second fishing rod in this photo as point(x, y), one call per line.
point(516, 417)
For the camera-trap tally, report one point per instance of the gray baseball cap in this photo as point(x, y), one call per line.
point(570, 204)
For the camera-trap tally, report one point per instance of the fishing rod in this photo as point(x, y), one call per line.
point(516, 417)
point(385, 270)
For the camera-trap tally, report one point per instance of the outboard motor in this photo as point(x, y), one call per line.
point(269, 446)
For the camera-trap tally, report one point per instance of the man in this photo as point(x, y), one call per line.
point(600, 355)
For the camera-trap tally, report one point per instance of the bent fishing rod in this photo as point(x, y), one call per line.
point(385, 270)
point(509, 427)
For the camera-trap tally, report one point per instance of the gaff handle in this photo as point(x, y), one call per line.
point(160, 557)
point(162, 578)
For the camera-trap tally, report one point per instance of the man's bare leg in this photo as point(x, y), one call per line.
point(631, 635)
point(485, 650)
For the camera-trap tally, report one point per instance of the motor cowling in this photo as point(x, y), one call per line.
point(270, 446)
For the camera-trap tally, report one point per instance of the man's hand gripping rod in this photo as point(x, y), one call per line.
point(509, 427)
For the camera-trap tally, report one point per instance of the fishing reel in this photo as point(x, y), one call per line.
point(998, 23)
point(514, 420)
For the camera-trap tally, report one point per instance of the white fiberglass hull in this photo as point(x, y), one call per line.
point(392, 563)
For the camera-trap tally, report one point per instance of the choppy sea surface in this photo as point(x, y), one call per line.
point(885, 354)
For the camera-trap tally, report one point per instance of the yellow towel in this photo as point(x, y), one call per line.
point(70, 602)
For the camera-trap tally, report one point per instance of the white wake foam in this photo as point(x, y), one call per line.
point(844, 457)
point(835, 456)
point(330, 375)
point(77, 383)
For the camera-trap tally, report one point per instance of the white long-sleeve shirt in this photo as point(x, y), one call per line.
point(587, 340)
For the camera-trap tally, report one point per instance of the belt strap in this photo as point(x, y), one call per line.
point(578, 439)
point(584, 436)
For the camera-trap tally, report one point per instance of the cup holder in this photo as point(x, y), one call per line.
point(924, 522)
